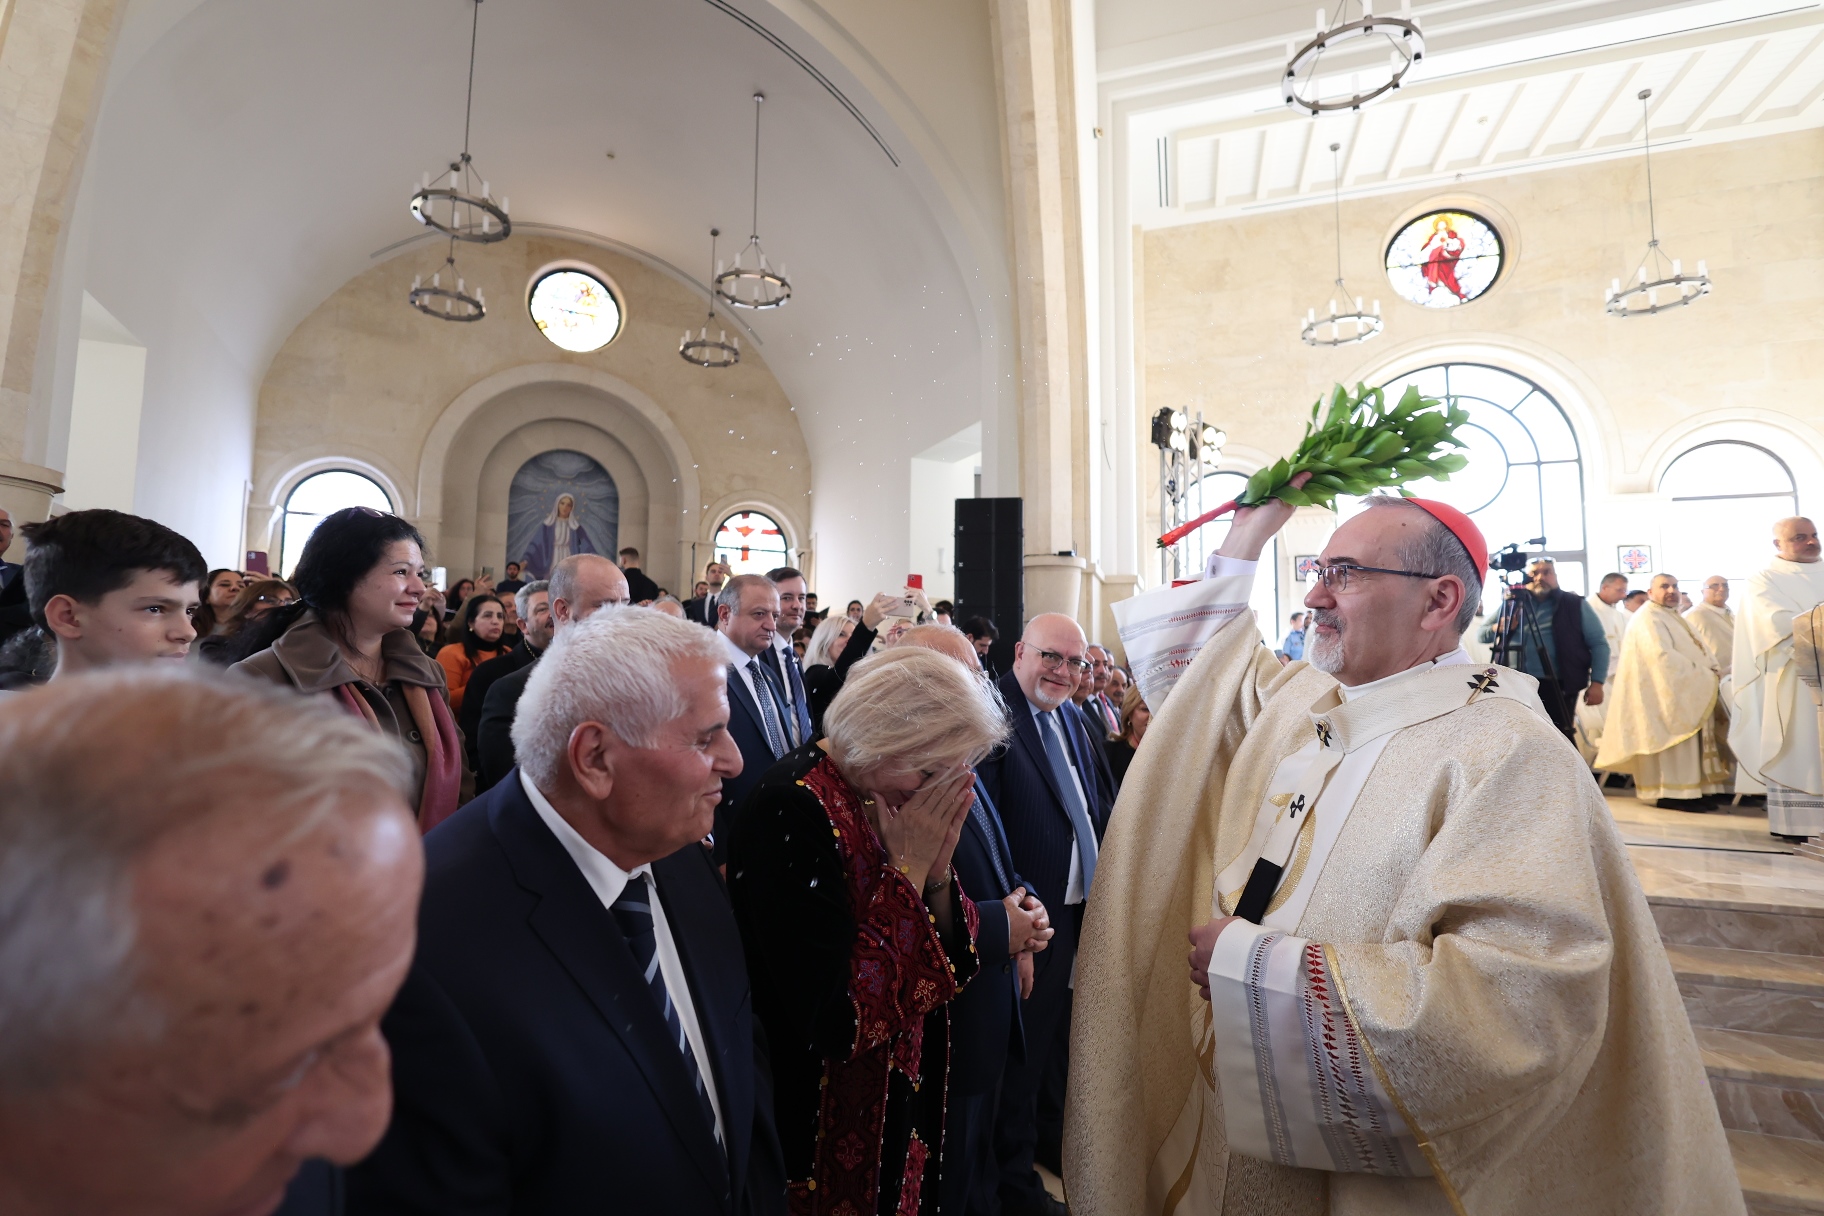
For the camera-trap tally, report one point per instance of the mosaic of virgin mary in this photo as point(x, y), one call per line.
point(561, 503)
point(558, 537)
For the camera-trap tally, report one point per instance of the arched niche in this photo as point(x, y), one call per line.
point(470, 468)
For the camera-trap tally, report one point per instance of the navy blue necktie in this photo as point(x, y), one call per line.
point(1051, 731)
point(986, 824)
point(633, 912)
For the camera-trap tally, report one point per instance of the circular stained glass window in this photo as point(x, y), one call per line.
point(575, 310)
point(1444, 258)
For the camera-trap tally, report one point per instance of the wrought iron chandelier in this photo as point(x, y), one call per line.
point(703, 350)
point(751, 281)
point(1670, 287)
point(1343, 328)
point(451, 202)
point(447, 303)
point(1406, 46)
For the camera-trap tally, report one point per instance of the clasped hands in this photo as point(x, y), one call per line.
point(1028, 932)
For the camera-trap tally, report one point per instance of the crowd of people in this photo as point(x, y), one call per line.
point(557, 892)
point(711, 891)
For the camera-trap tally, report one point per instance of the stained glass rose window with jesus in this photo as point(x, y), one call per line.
point(1444, 259)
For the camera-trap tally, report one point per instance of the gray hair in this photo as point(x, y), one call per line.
point(522, 599)
point(617, 666)
point(97, 771)
point(911, 708)
point(1436, 550)
point(730, 595)
point(822, 649)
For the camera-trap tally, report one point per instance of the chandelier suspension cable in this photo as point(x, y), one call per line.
point(754, 228)
point(468, 108)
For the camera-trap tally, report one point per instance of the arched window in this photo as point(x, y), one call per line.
point(1221, 486)
point(1524, 480)
point(1725, 497)
point(318, 495)
point(750, 543)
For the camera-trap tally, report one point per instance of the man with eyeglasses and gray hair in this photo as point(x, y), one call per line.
point(1053, 789)
point(1423, 977)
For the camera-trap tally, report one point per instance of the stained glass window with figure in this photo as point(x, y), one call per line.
point(751, 543)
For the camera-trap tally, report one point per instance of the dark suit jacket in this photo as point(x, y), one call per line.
point(1020, 783)
point(697, 608)
point(494, 733)
point(985, 1016)
point(532, 1070)
point(640, 586)
point(784, 668)
point(824, 681)
point(749, 731)
point(316, 1190)
point(475, 694)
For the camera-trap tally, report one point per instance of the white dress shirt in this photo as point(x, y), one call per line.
point(608, 880)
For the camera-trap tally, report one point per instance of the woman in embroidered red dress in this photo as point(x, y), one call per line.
point(857, 933)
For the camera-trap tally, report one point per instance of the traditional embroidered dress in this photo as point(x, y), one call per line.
point(1773, 726)
point(852, 982)
point(1666, 727)
point(1455, 999)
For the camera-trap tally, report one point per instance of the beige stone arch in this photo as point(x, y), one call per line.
point(797, 535)
point(612, 420)
point(267, 501)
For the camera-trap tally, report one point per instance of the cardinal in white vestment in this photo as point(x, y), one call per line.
point(1773, 727)
point(1666, 728)
point(1713, 623)
point(1606, 604)
point(1423, 976)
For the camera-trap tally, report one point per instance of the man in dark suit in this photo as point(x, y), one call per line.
point(575, 1034)
point(747, 619)
point(781, 662)
point(532, 602)
point(702, 608)
point(1054, 804)
point(579, 585)
point(639, 586)
point(985, 1024)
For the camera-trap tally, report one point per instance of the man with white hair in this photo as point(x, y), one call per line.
point(576, 1032)
point(1429, 979)
point(207, 891)
point(1773, 722)
point(578, 586)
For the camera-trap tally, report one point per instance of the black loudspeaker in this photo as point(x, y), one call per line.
point(990, 569)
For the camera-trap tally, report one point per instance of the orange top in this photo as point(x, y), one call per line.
point(458, 667)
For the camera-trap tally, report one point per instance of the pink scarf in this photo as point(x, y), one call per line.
point(442, 787)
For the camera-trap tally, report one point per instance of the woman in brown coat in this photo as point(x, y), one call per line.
point(359, 582)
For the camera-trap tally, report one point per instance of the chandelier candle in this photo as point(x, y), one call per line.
point(1354, 444)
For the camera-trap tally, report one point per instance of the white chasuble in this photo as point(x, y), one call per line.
point(1666, 696)
point(1773, 726)
point(1464, 979)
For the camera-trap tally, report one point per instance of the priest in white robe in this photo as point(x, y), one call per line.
point(1665, 726)
point(1606, 604)
point(1713, 623)
point(1773, 727)
point(1433, 983)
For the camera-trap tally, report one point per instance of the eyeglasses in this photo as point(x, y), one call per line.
point(1336, 576)
point(1051, 660)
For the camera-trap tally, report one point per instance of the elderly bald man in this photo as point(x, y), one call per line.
point(1054, 791)
point(201, 930)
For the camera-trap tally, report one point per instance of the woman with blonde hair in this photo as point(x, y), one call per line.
point(857, 933)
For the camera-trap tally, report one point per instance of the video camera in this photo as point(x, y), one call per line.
point(1509, 560)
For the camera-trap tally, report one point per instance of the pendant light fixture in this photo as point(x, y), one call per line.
point(447, 302)
point(703, 350)
point(460, 201)
point(1670, 287)
point(751, 281)
point(1340, 328)
point(1406, 46)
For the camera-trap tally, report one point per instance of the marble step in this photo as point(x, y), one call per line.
point(1779, 1177)
point(1779, 994)
point(1767, 1083)
point(1735, 926)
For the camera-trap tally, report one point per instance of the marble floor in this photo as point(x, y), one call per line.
point(1725, 856)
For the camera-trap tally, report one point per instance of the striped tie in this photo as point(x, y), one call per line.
point(633, 912)
point(769, 709)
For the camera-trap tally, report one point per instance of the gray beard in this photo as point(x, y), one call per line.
point(1325, 652)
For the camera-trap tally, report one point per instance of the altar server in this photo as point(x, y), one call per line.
point(1665, 728)
point(1443, 991)
point(1774, 725)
